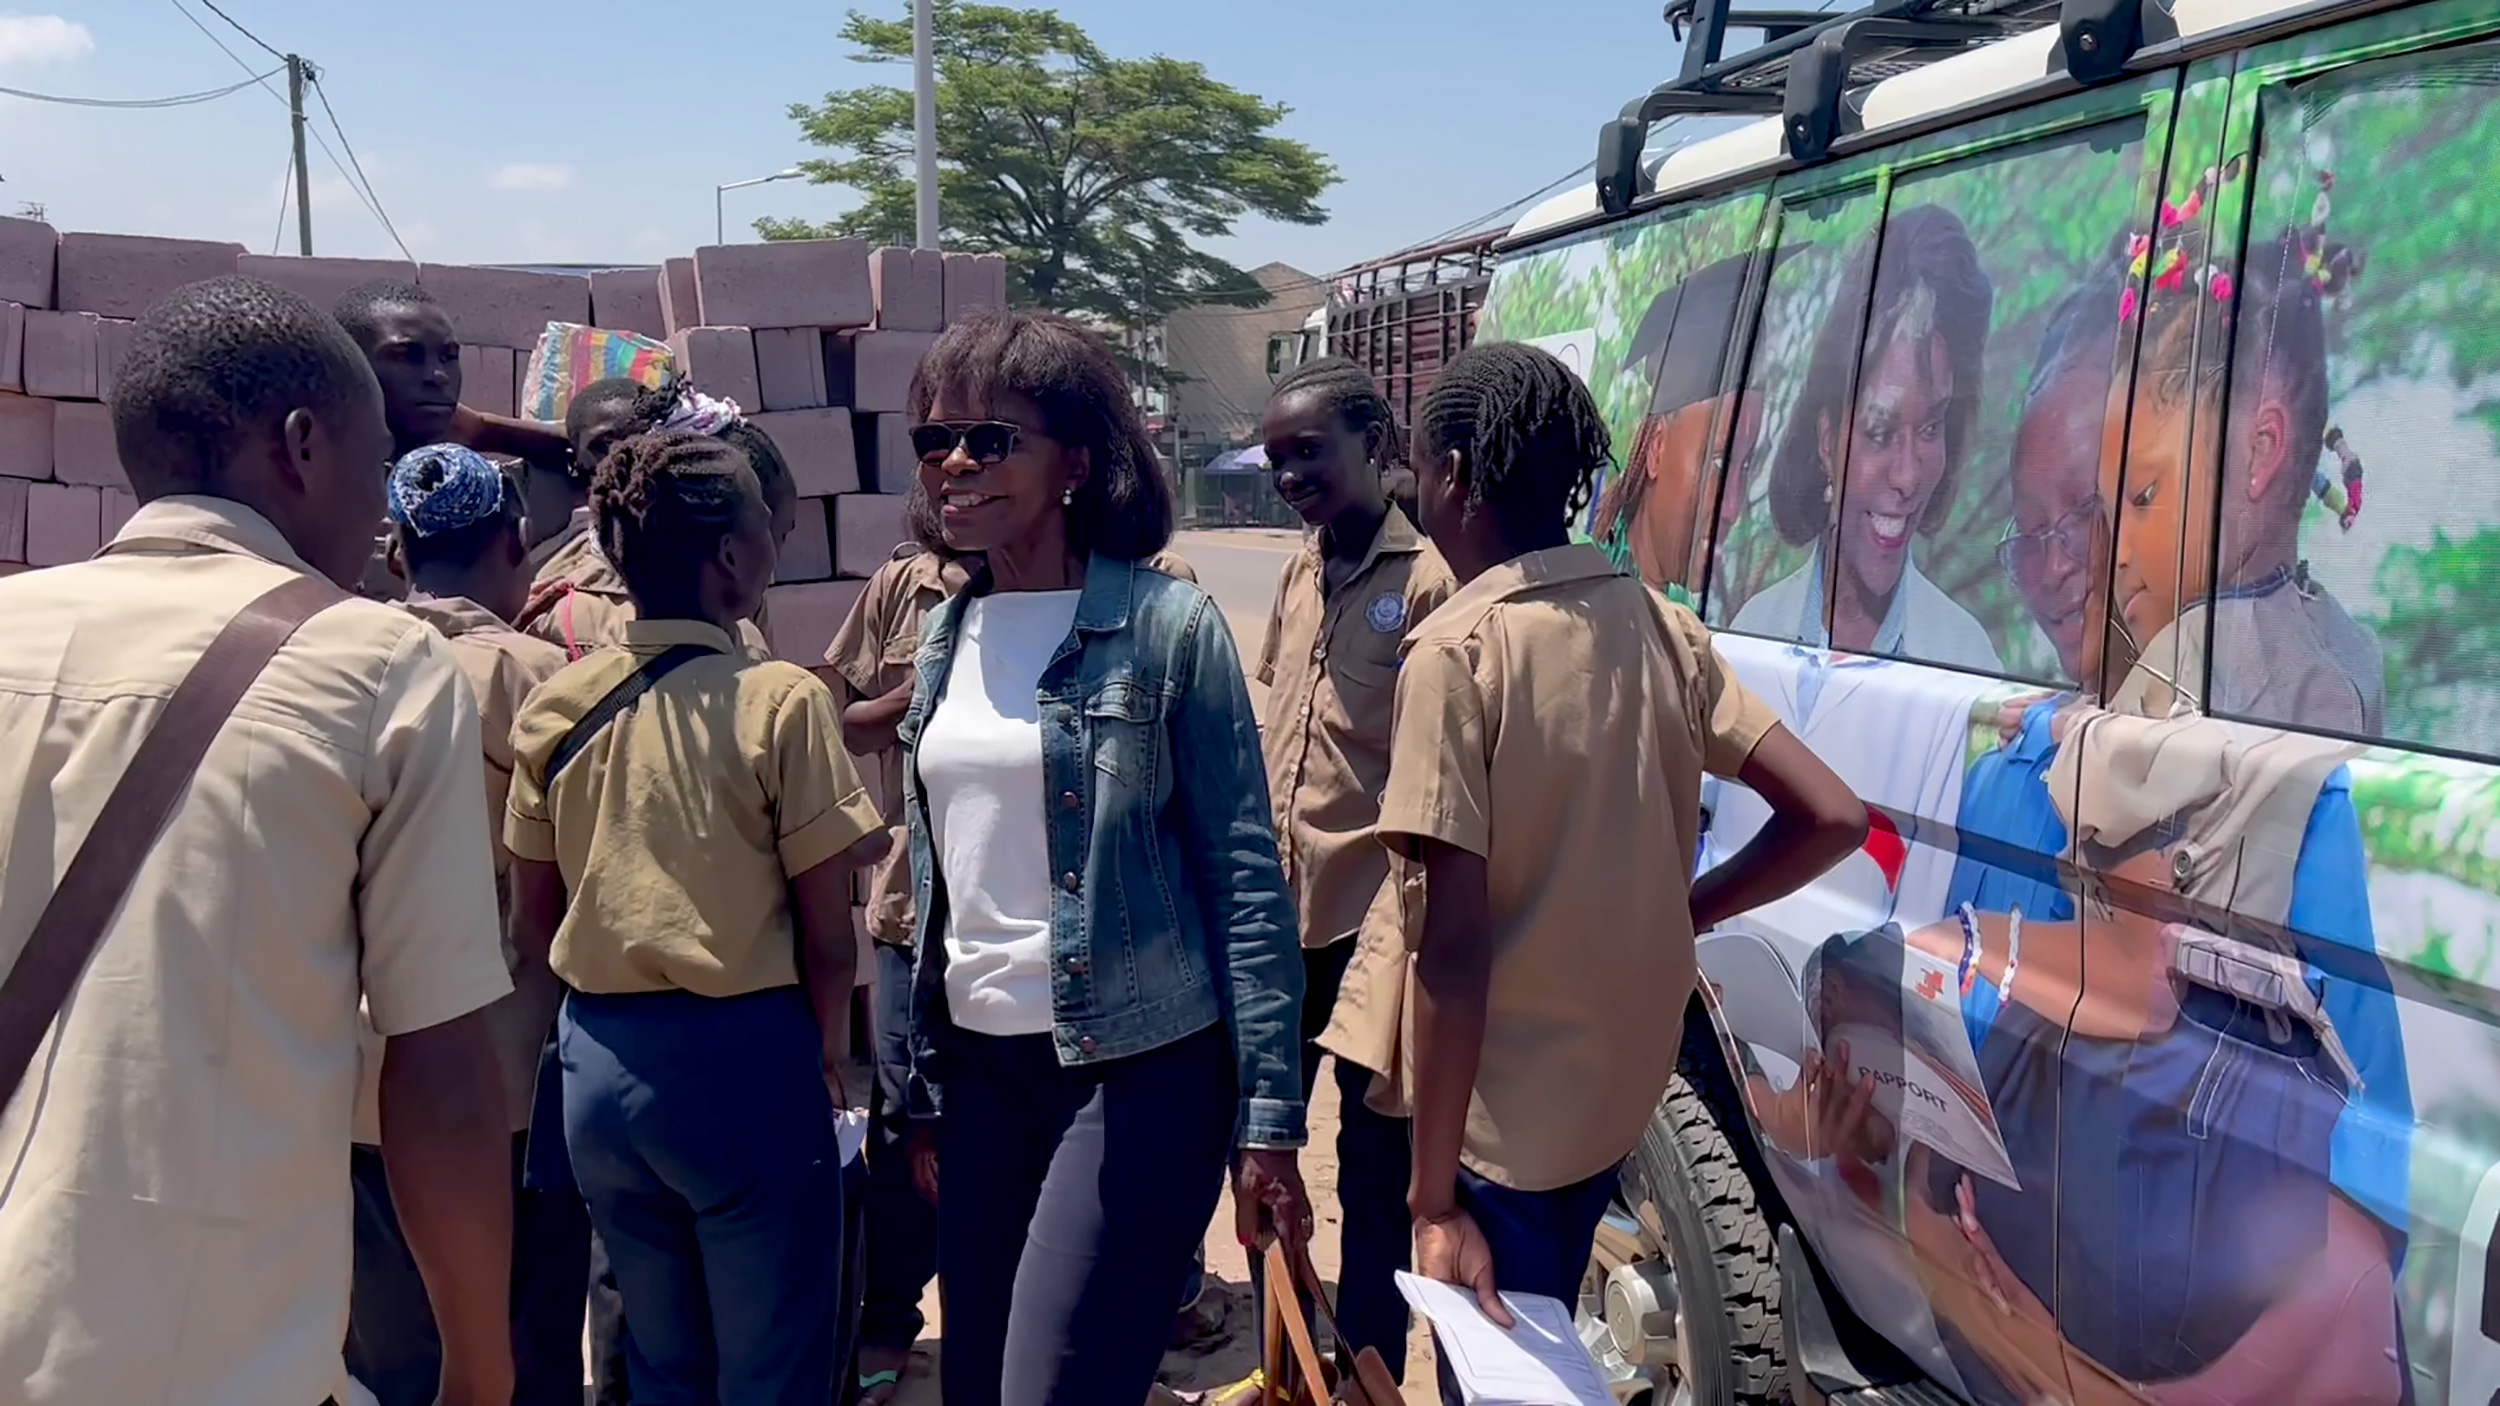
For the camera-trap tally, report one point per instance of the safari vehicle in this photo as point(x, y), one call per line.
point(2082, 423)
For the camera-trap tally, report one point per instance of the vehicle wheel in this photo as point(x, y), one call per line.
point(1681, 1303)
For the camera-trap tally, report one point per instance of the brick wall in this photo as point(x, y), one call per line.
point(817, 340)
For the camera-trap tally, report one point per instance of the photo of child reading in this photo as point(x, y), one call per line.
point(2226, 1117)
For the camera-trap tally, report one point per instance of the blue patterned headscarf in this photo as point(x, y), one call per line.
point(443, 488)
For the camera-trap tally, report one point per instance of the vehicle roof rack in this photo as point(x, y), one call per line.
point(1808, 62)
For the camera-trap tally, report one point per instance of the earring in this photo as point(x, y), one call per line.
point(1067, 496)
point(1827, 493)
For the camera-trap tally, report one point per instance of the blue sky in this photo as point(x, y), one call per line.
point(567, 130)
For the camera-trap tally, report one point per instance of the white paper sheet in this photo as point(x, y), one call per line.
point(850, 1131)
point(1538, 1363)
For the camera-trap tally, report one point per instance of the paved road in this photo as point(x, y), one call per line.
point(1239, 569)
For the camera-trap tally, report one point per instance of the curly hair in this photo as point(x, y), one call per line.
point(360, 309)
point(215, 362)
point(664, 501)
point(1530, 441)
point(1349, 391)
point(1124, 508)
point(1927, 282)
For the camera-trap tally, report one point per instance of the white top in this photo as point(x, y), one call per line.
point(981, 764)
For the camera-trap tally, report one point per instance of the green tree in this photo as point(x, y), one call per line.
point(1092, 174)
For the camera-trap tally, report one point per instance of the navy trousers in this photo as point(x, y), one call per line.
point(902, 1228)
point(701, 1134)
point(1540, 1239)
point(1069, 1202)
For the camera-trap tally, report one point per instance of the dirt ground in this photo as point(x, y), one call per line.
point(1226, 1348)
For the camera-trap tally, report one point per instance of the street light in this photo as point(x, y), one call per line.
point(720, 221)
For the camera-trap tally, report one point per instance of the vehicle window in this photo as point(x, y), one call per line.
point(2355, 588)
point(1606, 305)
point(1959, 381)
point(1651, 513)
point(1762, 575)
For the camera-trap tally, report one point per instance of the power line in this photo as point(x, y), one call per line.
point(179, 100)
point(286, 196)
point(239, 29)
point(362, 198)
point(372, 197)
point(229, 52)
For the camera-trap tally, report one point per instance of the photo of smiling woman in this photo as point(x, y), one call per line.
point(1107, 996)
point(1900, 453)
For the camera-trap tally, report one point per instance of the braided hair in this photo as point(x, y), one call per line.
point(1349, 391)
point(772, 471)
point(1530, 442)
point(664, 501)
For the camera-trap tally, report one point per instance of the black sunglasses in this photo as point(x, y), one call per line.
point(985, 441)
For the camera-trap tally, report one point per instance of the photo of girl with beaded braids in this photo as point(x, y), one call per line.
point(2284, 648)
point(2202, 1249)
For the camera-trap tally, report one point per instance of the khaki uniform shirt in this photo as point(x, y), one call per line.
point(1170, 563)
point(1330, 666)
point(174, 1222)
point(871, 656)
point(679, 826)
point(1556, 718)
point(579, 601)
point(502, 665)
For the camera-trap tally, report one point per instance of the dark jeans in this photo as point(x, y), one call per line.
point(391, 1345)
point(1540, 1239)
point(902, 1235)
point(701, 1133)
point(610, 1347)
point(1375, 1236)
point(1071, 1199)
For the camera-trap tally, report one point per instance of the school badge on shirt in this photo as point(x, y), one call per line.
point(1387, 613)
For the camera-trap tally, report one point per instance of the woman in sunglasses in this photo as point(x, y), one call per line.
point(1108, 981)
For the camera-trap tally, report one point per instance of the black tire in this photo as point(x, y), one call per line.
point(1726, 1261)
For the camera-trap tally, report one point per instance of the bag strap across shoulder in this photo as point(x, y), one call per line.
point(107, 863)
point(613, 704)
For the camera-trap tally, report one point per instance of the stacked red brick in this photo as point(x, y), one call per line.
point(66, 308)
point(818, 339)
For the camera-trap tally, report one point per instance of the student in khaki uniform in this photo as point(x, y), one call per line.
point(176, 1222)
point(600, 416)
point(1344, 604)
point(1554, 720)
point(556, 498)
point(580, 600)
point(459, 533)
point(414, 351)
point(684, 824)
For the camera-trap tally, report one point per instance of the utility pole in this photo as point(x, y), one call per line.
point(924, 119)
point(295, 67)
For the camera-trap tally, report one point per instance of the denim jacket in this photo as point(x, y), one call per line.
point(1171, 911)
